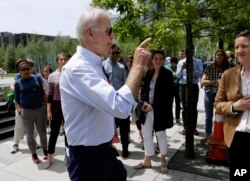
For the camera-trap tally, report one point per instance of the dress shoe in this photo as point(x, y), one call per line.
point(196, 132)
point(125, 153)
point(183, 132)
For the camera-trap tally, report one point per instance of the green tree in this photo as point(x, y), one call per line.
point(61, 44)
point(164, 20)
point(2, 56)
point(64, 44)
point(10, 58)
point(20, 51)
point(38, 50)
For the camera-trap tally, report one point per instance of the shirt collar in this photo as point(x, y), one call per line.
point(88, 55)
point(111, 62)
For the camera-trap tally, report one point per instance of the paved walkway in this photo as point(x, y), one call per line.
point(19, 166)
point(6, 81)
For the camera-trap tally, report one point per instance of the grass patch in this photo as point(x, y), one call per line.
point(10, 75)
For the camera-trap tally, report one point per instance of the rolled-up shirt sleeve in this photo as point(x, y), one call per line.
point(126, 93)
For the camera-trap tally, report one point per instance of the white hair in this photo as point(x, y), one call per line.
point(89, 18)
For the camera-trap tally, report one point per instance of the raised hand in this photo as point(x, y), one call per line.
point(142, 54)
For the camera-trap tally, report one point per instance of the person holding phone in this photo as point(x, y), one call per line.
point(157, 96)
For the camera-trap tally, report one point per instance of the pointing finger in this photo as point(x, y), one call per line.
point(145, 43)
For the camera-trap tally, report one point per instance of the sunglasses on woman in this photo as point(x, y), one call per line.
point(25, 69)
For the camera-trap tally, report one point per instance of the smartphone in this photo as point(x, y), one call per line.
point(144, 107)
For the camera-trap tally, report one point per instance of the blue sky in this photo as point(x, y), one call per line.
point(48, 17)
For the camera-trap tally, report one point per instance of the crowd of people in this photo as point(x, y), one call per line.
point(37, 102)
point(92, 97)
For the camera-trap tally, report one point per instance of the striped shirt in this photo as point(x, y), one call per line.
point(53, 86)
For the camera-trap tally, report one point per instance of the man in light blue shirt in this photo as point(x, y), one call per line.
point(90, 103)
point(113, 69)
point(181, 74)
point(116, 75)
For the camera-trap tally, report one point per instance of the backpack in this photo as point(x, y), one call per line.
point(11, 107)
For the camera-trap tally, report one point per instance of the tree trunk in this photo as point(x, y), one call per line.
point(190, 126)
point(221, 44)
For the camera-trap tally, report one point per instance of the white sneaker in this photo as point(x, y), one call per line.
point(15, 149)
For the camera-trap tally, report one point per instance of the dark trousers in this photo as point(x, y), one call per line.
point(57, 119)
point(124, 126)
point(95, 163)
point(195, 95)
point(239, 157)
point(177, 101)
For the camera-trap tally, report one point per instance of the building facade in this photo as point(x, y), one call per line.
point(7, 38)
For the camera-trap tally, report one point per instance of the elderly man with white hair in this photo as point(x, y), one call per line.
point(90, 103)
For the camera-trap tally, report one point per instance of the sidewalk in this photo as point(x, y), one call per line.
point(19, 166)
point(6, 81)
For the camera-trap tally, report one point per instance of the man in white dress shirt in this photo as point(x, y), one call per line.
point(90, 103)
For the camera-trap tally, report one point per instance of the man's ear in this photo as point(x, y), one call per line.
point(89, 34)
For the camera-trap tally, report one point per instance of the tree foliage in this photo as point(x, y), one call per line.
point(39, 50)
point(164, 20)
point(2, 57)
point(10, 58)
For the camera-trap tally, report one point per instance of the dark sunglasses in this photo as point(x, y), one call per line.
point(25, 69)
point(109, 31)
point(115, 53)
